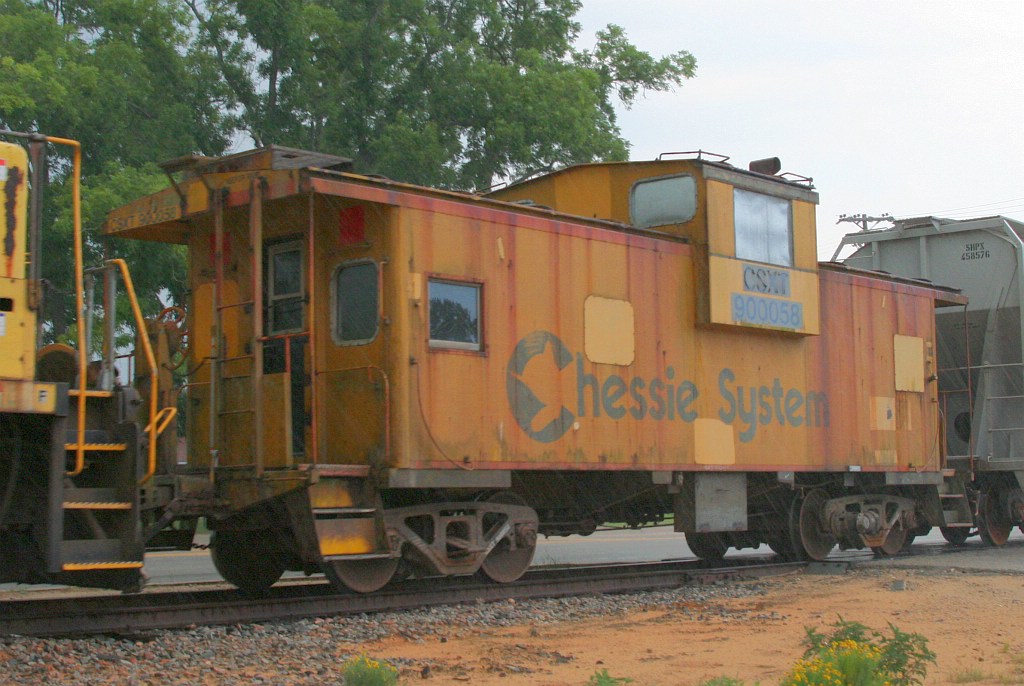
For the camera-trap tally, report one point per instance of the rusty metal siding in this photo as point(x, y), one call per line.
point(531, 398)
point(464, 409)
point(873, 426)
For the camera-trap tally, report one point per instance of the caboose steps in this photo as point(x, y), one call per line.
point(957, 510)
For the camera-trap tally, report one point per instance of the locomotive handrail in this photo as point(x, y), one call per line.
point(76, 211)
point(83, 363)
point(140, 322)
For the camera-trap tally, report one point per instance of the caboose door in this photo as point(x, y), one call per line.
point(286, 340)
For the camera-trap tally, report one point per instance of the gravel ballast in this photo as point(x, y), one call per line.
point(312, 651)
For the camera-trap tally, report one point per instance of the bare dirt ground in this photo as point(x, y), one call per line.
point(972, 622)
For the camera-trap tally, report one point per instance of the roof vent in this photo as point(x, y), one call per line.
point(769, 166)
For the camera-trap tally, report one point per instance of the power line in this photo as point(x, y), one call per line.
point(961, 210)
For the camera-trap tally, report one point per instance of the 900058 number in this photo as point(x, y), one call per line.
point(752, 309)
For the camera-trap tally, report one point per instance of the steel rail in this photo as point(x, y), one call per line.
point(129, 614)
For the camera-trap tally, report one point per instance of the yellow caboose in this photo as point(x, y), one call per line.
point(388, 379)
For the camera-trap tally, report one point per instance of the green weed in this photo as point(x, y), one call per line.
point(603, 678)
point(365, 671)
point(854, 655)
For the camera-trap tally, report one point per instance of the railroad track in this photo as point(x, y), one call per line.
point(158, 609)
point(213, 603)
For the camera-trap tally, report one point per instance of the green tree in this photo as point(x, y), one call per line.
point(126, 79)
point(451, 93)
point(455, 93)
point(123, 77)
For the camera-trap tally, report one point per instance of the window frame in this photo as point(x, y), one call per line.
point(764, 258)
point(272, 297)
point(335, 322)
point(440, 345)
point(652, 180)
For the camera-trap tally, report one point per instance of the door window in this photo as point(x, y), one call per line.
point(285, 292)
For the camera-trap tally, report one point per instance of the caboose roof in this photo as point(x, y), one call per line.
point(165, 216)
point(272, 157)
point(801, 186)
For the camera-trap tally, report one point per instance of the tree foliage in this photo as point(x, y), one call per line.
point(450, 93)
point(127, 80)
point(455, 93)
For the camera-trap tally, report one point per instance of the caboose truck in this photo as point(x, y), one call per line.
point(386, 379)
point(73, 457)
point(981, 375)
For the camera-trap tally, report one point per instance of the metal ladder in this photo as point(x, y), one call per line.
point(956, 505)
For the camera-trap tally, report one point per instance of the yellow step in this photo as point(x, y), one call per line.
point(99, 505)
point(90, 566)
point(90, 393)
point(98, 447)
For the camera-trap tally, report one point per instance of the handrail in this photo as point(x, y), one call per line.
point(83, 363)
point(163, 418)
point(140, 322)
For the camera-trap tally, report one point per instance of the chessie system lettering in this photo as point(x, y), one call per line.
point(659, 398)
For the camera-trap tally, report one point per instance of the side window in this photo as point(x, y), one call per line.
point(763, 228)
point(356, 303)
point(661, 201)
point(454, 315)
point(285, 291)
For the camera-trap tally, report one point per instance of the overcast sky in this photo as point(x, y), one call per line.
point(907, 108)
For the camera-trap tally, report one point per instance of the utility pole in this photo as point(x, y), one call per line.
point(862, 220)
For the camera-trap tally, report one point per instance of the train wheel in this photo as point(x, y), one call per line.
point(894, 542)
point(957, 535)
point(814, 537)
point(994, 523)
point(362, 576)
point(246, 559)
point(505, 564)
point(708, 547)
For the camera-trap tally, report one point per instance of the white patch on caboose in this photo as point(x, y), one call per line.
point(908, 363)
point(609, 331)
point(714, 442)
point(883, 413)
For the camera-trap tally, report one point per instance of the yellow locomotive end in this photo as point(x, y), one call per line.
point(17, 319)
point(18, 391)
